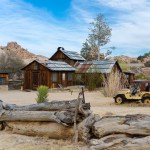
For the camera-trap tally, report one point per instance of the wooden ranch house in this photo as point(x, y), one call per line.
point(69, 57)
point(49, 73)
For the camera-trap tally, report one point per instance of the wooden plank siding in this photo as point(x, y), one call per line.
point(59, 56)
point(35, 69)
point(35, 74)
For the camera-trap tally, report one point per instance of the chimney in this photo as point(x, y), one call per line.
point(60, 48)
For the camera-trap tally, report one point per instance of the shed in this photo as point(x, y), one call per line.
point(85, 69)
point(104, 67)
point(49, 73)
point(70, 57)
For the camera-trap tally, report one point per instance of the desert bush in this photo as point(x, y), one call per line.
point(42, 94)
point(112, 83)
point(94, 81)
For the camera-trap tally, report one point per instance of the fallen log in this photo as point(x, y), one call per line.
point(47, 106)
point(85, 127)
point(45, 129)
point(130, 124)
point(63, 117)
point(120, 142)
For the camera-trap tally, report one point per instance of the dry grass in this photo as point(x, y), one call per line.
point(21, 142)
point(112, 83)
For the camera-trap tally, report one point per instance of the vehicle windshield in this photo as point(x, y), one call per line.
point(135, 88)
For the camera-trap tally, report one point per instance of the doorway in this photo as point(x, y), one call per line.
point(35, 79)
point(63, 79)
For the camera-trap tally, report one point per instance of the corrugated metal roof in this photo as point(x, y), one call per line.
point(72, 55)
point(57, 65)
point(5, 71)
point(95, 67)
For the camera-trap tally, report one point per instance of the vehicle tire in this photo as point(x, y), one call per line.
point(119, 99)
point(146, 100)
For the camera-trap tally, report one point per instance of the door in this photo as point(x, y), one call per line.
point(63, 79)
point(35, 79)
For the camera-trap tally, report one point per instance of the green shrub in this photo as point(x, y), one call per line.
point(42, 94)
point(94, 81)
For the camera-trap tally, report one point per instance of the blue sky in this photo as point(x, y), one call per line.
point(43, 25)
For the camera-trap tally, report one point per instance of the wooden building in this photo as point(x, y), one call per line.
point(49, 73)
point(129, 77)
point(3, 77)
point(103, 67)
point(70, 57)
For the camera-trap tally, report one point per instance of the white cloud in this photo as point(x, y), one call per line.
point(123, 4)
point(41, 33)
point(131, 27)
point(36, 29)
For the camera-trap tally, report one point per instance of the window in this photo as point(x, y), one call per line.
point(35, 67)
point(54, 76)
point(2, 81)
point(69, 76)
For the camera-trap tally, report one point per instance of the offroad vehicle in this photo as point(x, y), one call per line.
point(139, 91)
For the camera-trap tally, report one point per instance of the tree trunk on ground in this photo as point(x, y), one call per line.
point(120, 142)
point(48, 106)
point(63, 117)
point(130, 124)
point(84, 127)
point(46, 129)
point(109, 132)
point(121, 132)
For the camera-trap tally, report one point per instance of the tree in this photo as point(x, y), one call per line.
point(9, 62)
point(99, 36)
point(85, 51)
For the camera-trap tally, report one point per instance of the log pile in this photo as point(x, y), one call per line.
point(68, 119)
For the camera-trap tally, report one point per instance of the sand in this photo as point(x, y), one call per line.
point(99, 105)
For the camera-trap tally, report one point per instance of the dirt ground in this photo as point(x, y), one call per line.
point(99, 105)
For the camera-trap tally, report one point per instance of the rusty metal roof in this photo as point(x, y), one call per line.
point(95, 66)
point(56, 65)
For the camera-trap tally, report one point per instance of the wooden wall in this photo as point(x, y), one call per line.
point(36, 74)
point(60, 56)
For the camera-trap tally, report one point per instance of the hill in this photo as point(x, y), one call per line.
point(21, 52)
point(144, 58)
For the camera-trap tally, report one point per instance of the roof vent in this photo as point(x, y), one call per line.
point(60, 48)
